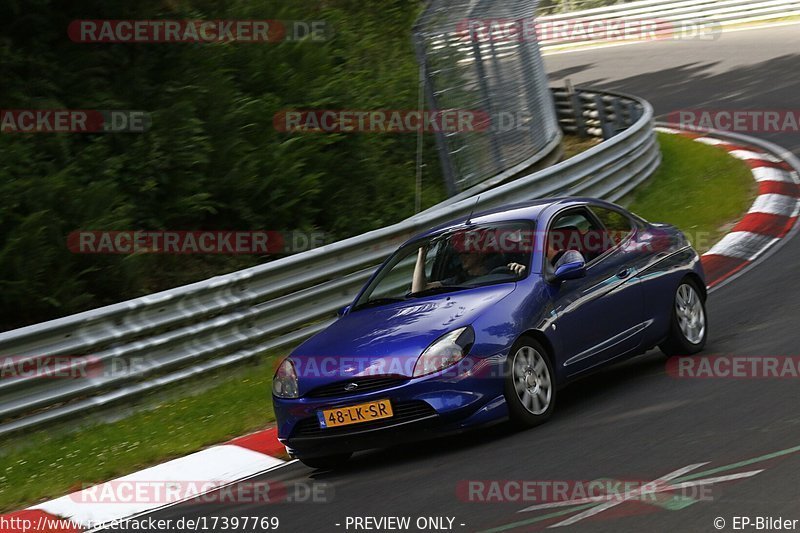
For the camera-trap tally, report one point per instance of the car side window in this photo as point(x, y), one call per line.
point(573, 230)
point(617, 226)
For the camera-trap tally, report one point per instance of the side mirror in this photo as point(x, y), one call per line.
point(343, 311)
point(573, 266)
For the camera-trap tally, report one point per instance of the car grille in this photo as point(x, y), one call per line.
point(402, 412)
point(368, 384)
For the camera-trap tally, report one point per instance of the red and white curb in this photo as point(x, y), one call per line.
point(215, 467)
point(771, 217)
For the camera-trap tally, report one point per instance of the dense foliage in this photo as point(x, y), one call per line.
point(212, 159)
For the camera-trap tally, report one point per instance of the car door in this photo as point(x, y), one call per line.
point(598, 317)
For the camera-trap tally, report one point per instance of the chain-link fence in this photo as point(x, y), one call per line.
point(469, 65)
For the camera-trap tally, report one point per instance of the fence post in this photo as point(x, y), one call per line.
point(497, 155)
point(442, 147)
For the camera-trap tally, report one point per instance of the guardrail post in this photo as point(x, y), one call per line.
point(633, 112)
point(619, 120)
point(577, 111)
point(602, 117)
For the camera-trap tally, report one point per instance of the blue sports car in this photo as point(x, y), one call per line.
point(484, 320)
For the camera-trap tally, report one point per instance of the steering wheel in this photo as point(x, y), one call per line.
point(502, 269)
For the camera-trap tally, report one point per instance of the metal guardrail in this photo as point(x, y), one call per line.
point(594, 114)
point(676, 19)
point(173, 335)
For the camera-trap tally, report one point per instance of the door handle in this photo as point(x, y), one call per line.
point(624, 273)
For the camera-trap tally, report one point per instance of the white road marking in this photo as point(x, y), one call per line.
point(604, 498)
point(713, 480)
point(628, 495)
point(661, 484)
point(608, 505)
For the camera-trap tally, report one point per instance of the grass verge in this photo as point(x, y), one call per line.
point(50, 462)
point(574, 145)
point(701, 189)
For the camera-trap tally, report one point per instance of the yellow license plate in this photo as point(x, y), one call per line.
point(355, 414)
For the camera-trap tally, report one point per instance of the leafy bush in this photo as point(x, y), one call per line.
point(212, 159)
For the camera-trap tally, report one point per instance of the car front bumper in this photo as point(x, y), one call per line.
point(426, 407)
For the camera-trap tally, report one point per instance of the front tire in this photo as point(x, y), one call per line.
point(529, 387)
point(689, 323)
point(326, 462)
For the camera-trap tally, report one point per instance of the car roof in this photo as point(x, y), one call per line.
point(531, 210)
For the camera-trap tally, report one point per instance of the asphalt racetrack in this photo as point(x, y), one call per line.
point(632, 421)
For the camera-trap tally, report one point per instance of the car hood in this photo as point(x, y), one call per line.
point(390, 338)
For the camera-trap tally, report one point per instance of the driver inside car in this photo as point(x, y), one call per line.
point(475, 265)
point(559, 242)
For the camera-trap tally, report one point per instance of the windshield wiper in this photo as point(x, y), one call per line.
point(437, 290)
point(378, 301)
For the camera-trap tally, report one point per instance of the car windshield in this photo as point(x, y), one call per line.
point(452, 261)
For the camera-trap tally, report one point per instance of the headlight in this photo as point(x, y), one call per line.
point(445, 352)
point(284, 384)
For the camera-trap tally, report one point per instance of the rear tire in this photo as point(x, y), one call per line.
point(326, 462)
point(688, 329)
point(529, 387)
